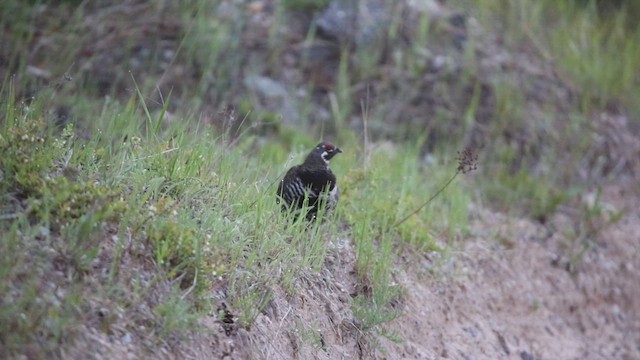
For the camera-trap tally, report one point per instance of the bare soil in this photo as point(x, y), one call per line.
point(507, 292)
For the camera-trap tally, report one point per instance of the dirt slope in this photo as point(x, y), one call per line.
point(519, 301)
point(506, 293)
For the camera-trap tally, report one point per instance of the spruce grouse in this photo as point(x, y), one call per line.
point(312, 180)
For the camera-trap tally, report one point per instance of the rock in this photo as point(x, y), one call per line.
point(273, 96)
point(359, 22)
point(265, 87)
point(526, 356)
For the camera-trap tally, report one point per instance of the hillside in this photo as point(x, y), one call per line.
point(142, 144)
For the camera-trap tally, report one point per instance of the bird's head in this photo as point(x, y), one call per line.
point(327, 151)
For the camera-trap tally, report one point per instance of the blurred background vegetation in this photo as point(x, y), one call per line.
point(539, 86)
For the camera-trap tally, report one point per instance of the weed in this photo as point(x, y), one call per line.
point(594, 217)
point(467, 162)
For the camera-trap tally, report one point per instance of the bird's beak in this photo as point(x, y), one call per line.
point(338, 150)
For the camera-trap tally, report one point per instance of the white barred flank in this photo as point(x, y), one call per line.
point(334, 195)
point(295, 190)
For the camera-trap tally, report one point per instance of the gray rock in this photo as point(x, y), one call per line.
point(359, 22)
point(265, 87)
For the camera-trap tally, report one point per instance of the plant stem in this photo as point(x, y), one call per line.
point(428, 201)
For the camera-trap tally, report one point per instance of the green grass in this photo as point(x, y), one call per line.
point(173, 203)
point(596, 52)
point(536, 158)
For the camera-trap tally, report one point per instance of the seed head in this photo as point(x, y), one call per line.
point(467, 160)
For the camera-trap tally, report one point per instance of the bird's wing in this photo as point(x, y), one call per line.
point(291, 187)
point(317, 181)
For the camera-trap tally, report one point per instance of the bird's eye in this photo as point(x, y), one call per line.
point(328, 147)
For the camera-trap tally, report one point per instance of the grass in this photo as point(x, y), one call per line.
point(172, 203)
point(595, 51)
point(129, 219)
point(594, 54)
